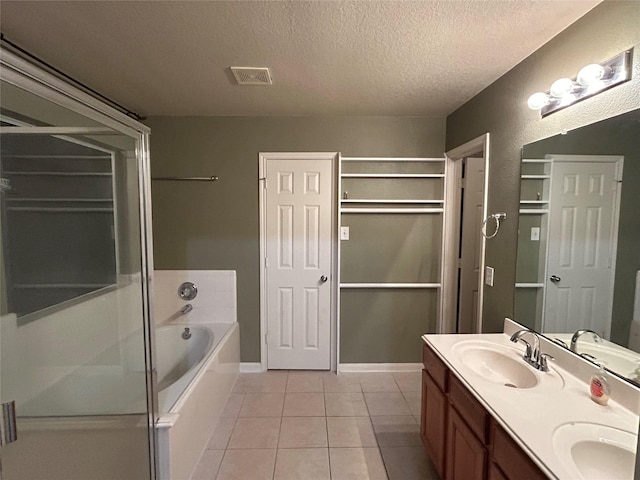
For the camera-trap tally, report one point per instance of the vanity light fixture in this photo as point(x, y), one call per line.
point(591, 80)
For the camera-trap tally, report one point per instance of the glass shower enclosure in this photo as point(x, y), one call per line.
point(76, 382)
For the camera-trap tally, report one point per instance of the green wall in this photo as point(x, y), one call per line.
point(501, 109)
point(216, 225)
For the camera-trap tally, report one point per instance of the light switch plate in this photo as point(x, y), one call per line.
point(344, 233)
point(535, 234)
point(488, 275)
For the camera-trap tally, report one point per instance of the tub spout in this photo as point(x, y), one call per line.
point(186, 309)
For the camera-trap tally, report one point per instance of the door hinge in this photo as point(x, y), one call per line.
point(264, 182)
point(266, 262)
point(460, 182)
point(459, 263)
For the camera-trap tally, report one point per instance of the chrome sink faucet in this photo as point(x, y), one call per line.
point(532, 355)
point(578, 334)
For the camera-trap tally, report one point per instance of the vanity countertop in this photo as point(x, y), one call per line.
point(533, 415)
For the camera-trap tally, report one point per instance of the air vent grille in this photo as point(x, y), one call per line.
point(252, 75)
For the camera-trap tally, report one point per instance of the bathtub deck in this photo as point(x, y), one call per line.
point(282, 425)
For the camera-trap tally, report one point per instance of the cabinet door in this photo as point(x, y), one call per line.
point(466, 456)
point(513, 462)
point(495, 473)
point(433, 423)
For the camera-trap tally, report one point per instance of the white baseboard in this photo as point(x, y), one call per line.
point(250, 367)
point(379, 367)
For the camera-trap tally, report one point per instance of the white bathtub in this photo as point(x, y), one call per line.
point(178, 360)
point(197, 375)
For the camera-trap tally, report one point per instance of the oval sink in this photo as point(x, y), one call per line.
point(499, 368)
point(593, 452)
point(503, 365)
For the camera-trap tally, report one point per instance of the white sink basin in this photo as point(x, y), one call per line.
point(503, 365)
point(592, 452)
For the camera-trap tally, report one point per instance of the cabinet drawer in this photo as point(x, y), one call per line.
point(436, 368)
point(469, 409)
point(511, 459)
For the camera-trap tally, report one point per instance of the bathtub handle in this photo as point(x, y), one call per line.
point(323, 278)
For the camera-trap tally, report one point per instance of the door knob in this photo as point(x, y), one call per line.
point(323, 278)
point(555, 278)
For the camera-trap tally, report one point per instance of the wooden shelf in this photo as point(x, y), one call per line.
point(392, 175)
point(534, 211)
point(390, 285)
point(391, 159)
point(367, 200)
point(392, 210)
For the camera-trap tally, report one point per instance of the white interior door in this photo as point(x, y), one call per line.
point(298, 262)
point(470, 245)
point(582, 216)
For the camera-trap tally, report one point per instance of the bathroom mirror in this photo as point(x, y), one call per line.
point(578, 264)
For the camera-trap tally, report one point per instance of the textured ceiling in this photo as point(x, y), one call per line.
point(422, 58)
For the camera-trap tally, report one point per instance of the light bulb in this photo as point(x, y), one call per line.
point(591, 74)
point(561, 87)
point(538, 100)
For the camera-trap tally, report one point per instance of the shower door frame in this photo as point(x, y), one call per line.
point(24, 74)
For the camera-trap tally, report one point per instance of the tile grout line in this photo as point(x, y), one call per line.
point(284, 399)
point(326, 424)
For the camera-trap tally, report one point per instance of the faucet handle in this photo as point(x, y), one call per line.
point(588, 357)
point(560, 342)
point(544, 366)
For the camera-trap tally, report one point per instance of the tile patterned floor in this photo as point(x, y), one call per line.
point(300, 425)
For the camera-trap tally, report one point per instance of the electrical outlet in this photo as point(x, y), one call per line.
point(535, 234)
point(344, 233)
point(488, 275)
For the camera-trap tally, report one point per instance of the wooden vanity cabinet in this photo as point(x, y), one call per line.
point(435, 408)
point(467, 435)
point(460, 437)
point(509, 459)
point(466, 456)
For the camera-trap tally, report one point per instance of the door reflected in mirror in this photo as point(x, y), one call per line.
point(578, 261)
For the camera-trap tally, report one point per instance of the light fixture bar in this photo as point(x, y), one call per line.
point(590, 81)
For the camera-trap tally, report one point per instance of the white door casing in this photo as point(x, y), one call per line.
point(471, 242)
point(583, 218)
point(451, 238)
point(298, 202)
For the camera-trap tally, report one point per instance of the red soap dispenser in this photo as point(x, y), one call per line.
point(599, 386)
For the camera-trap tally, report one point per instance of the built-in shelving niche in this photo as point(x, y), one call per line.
point(390, 273)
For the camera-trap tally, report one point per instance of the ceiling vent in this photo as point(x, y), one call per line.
point(252, 75)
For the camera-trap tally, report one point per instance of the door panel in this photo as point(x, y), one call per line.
point(298, 234)
point(473, 197)
point(581, 242)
